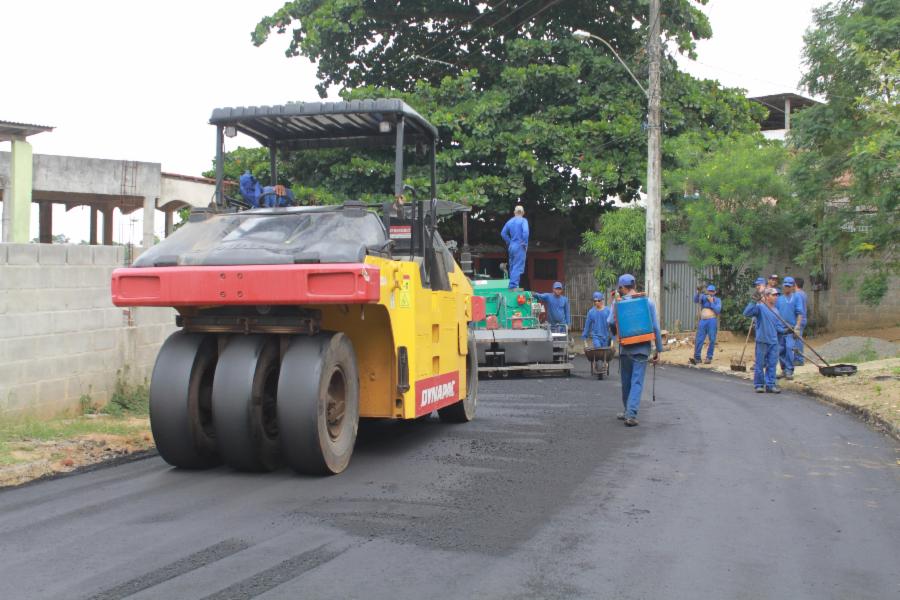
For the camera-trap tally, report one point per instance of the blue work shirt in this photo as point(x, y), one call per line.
point(766, 322)
point(515, 231)
point(596, 324)
point(703, 300)
point(558, 311)
point(643, 347)
point(789, 308)
point(800, 295)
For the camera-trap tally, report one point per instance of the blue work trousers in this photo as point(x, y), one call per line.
point(786, 352)
point(516, 263)
point(766, 363)
point(632, 367)
point(706, 328)
point(599, 342)
point(798, 350)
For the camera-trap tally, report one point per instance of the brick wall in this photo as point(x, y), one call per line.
point(60, 335)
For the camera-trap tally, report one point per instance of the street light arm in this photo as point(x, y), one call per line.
point(582, 35)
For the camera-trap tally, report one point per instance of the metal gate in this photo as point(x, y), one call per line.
point(680, 282)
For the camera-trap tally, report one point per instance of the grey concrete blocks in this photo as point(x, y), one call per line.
point(106, 255)
point(52, 254)
point(3, 253)
point(22, 254)
point(79, 255)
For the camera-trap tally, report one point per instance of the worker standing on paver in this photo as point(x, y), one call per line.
point(804, 306)
point(762, 309)
point(633, 358)
point(789, 309)
point(559, 313)
point(708, 326)
point(596, 325)
point(515, 234)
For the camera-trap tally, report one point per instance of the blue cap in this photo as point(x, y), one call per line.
point(760, 281)
point(598, 296)
point(557, 285)
point(626, 280)
point(710, 288)
point(788, 281)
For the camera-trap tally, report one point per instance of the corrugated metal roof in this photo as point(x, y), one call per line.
point(326, 124)
point(10, 130)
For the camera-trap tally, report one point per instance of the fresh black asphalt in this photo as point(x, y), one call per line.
point(719, 493)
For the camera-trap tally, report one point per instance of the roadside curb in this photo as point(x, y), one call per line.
point(104, 464)
point(866, 415)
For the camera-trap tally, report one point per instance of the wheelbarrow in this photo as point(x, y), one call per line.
point(839, 370)
point(599, 358)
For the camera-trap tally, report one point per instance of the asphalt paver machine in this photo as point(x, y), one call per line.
point(296, 322)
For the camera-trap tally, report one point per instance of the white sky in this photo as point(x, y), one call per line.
point(138, 81)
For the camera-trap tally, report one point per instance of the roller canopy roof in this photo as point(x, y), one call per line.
point(327, 124)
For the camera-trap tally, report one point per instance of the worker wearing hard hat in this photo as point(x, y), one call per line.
point(559, 313)
point(708, 326)
point(515, 234)
point(596, 327)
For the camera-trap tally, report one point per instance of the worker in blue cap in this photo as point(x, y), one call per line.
point(559, 313)
point(803, 301)
point(515, 234)
point(762, 309)
point(791, 318)
point(760, 287)
point(633, 358)
point(708, 325)
point(596, 326)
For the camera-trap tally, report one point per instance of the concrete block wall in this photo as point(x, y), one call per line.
point(60, 335)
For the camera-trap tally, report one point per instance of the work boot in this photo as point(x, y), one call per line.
point(780, 375)
point(693, 361)
point(708, 361)
point(773, 390)
point(620, 416)
point(760, 390)
point(789, 376)
point(631, 422)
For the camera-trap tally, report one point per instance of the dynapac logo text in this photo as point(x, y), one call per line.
point(436, 392)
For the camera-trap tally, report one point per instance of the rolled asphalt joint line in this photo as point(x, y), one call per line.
point(869, 417)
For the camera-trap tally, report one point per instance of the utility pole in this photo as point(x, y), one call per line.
point(654, 164)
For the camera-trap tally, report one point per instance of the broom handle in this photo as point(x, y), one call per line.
point(791, 329)
point(747, 341)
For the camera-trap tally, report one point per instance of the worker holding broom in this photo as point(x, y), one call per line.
point(708, 326)
point(764, 312)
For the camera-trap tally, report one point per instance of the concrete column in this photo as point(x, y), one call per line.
point(108, 226)
point(45, 222)
point(169, 222)
point(787, 114)
point(17, 199)
point(149, 216)
point(94, 212)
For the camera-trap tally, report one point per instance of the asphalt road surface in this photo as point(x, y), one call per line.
point(720, 493)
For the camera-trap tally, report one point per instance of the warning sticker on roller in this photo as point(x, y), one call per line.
point(401, 232)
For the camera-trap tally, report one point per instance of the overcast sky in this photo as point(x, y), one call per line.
point(138, 81)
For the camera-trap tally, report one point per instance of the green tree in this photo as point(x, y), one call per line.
point(526, 113)
point(735, 220)
point(618, 245)
point(847, 172)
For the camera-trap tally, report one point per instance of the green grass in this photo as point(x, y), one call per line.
point(867, 354)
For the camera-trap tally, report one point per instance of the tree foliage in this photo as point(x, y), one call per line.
point(847, 172)
point(526, 113)
point(738, 219)
point(619, 245)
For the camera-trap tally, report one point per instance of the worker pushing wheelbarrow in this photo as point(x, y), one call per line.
point(598, 347)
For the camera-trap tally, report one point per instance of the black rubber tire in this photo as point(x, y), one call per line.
point(464, 410)
point(244, 398)
point(318, 372)
point(181, 401)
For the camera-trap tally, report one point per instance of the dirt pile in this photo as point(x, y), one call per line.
point(856, 349)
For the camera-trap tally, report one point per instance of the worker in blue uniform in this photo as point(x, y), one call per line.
point(762, 309)
point(596, 326)
point(559, 313)
point(788, 307)
point(804, 306)
point(633, 358)
point(515, 235)
point(708, 326)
